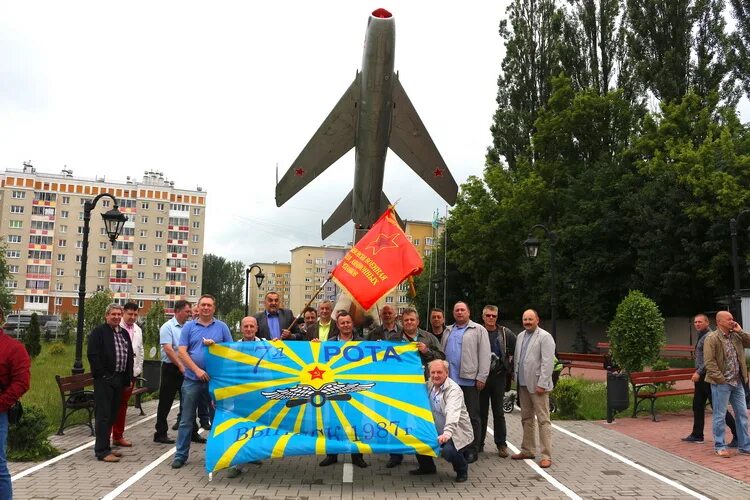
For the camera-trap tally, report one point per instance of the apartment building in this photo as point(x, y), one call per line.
point(158, 256)
point(277, 279)
point(311, 266)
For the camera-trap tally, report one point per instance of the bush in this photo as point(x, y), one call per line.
point(32, 337)
point(567, 394)
point(27, 440)
point(57, 350)
point(636, 334)
point(67, 328)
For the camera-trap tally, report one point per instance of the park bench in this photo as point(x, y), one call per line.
point(675, 351)
point(76, 397)
point(572, 360)
point(649, 386)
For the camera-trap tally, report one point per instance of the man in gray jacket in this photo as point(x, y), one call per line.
point(451, 421)
point(535, 359)
point(467, 349)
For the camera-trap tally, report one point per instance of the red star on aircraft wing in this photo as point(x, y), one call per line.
point(438, 172)
point(299, 172)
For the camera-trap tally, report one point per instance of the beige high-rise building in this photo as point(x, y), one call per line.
point(158, 256)
point(277, 279)
point(311, 266)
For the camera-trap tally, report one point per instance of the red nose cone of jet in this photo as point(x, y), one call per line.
point(382, 14)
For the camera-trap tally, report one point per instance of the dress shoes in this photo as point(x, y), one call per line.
point(392, 462)
point(471, 458)
point(503, 452)
point(522, 456)
point(359, 462)
point(197, 438)
point(111, 458)
point(692, 439)
point(422, 472)
point(330, 460)
point(116, 453)
point(461, 477)
point(177, 464)
point(122, 442)
point(163, 439)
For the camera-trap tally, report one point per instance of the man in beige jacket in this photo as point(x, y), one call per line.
point(726, 371)
point(534, 360)
point(451, 421)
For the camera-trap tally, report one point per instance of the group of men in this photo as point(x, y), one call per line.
point(720, 379)
point(468, 367)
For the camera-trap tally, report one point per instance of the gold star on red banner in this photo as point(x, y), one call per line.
point(382, 242)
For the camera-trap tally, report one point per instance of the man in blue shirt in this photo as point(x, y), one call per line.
point(467, 349)
point(196, 336)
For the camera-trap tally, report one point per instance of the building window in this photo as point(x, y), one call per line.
point(144, 220)
point(79, 243)
point(18, 195)
point(196, 211)
point(428, 241)
point(194, 251)
point(193, 265)
point(61, 257)
point(156, 290)
point(160, 220)
point(102, 245)
point(11, 284)
point(15, 224)
point(195, 238)
point(159, 234)
point(16, 209)
point(389, 300)
point(105, 203)
point(196, 224)
point(142, 247)
point(140, 275)
point(59, 286)
point(416, 241)
point(75, 302)
point(77, 273)
point(62, 243)
point(66, 200)
point(144, 206)
point(59, 272)
point(194, 293)
point(193, 278)
point(63, 229)
point(78, 258)
point(157, 262)
point(428, 252)
point(64, 214)
point(102, 259)
point(14, 238)
point(157, 276)
point(13, 269)
point(58, 301)
point(141, 261)
point(157, 248)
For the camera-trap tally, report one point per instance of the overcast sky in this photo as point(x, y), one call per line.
point(216, 94)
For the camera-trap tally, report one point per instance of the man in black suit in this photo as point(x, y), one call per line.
point(274, 322)
point(110, 354)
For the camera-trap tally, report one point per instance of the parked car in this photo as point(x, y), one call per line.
point(52, 326)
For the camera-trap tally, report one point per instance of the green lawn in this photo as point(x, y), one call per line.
point(592, 403)
point(44, 392)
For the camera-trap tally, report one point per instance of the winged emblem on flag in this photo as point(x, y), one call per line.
point(303, 393)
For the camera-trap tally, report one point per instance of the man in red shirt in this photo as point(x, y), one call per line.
point(15, 376)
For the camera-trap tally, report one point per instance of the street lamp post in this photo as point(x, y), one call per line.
point(531, 245)
point(259, 277)
point(114, 220)
point(736, 294)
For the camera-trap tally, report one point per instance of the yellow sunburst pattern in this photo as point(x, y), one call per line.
point(276, 399)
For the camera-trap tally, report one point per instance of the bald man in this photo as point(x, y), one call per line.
point(534, 360)
point(726, 371)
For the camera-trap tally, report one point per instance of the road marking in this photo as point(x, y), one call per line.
point(348, 473)
point(68, 453)
point(633, 464)
point(551, 480)
point(135, 477)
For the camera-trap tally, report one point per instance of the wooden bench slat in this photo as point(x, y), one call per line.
point(641, 380)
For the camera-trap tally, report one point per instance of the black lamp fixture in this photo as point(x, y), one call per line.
point(259, 277)
point(531, 247)
point(114, 220)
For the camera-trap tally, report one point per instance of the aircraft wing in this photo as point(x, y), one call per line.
point(412, 143)
point(331, 141)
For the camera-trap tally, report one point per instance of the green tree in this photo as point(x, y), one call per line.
point(232, 319)
point(67, 328)
point(33, 336)
point(154, 320)
point(6, 297)
point(94, 309)
point(636, 334)
point(225, 280)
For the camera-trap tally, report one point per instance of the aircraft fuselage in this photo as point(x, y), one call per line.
point(374, 122)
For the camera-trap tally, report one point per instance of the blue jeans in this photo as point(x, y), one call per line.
point(722, 395)
point(193, 392)
point(6, 491)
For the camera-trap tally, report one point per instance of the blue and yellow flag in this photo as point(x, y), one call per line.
point(276, 399)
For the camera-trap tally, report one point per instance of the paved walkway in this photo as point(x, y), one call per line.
point(584, 467)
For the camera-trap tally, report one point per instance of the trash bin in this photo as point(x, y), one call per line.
point(152, 374)
point(617, 394)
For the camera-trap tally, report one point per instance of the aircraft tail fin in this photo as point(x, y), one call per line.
point(338, 218)
point(410, 140)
